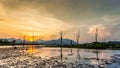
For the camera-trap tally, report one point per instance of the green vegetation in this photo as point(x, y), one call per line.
point(4, 42)
point(93, 45)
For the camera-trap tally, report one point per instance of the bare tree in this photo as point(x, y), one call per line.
point(71, 46)
point(96, 35)
point(23, 42)
point(61, 43)
point(78, 36)
point(77, 39)
point(96, 42)
point(32, 43)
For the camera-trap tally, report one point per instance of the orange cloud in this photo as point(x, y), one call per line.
point(29, 22)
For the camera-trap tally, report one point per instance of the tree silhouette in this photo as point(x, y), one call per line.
point(61, 43)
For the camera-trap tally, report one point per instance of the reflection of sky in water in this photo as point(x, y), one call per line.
point(84, 53)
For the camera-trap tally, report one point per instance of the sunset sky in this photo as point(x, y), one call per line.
point(46, 18)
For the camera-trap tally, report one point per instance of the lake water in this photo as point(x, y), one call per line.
point(78, 55)
point(83, 53)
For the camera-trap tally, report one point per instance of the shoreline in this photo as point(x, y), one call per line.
point(20, 46)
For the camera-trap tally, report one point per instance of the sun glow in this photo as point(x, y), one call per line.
point(30, 22)
point(31, 39)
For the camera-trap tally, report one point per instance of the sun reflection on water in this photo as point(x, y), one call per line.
point(31, 49)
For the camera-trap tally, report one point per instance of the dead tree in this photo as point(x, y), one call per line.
point(32, 43)
point(61, 44)
point(71, 46)
point(96, 35)
point(23, 44)
point(96, 42)
point(77, 39)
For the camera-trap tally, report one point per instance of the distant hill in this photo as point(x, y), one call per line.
point(56, 42)
point(17, 41)
point(48, 42)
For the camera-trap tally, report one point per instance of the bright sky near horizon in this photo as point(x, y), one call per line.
point(46, 18)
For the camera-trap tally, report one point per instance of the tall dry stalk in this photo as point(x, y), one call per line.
point(61, 44)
